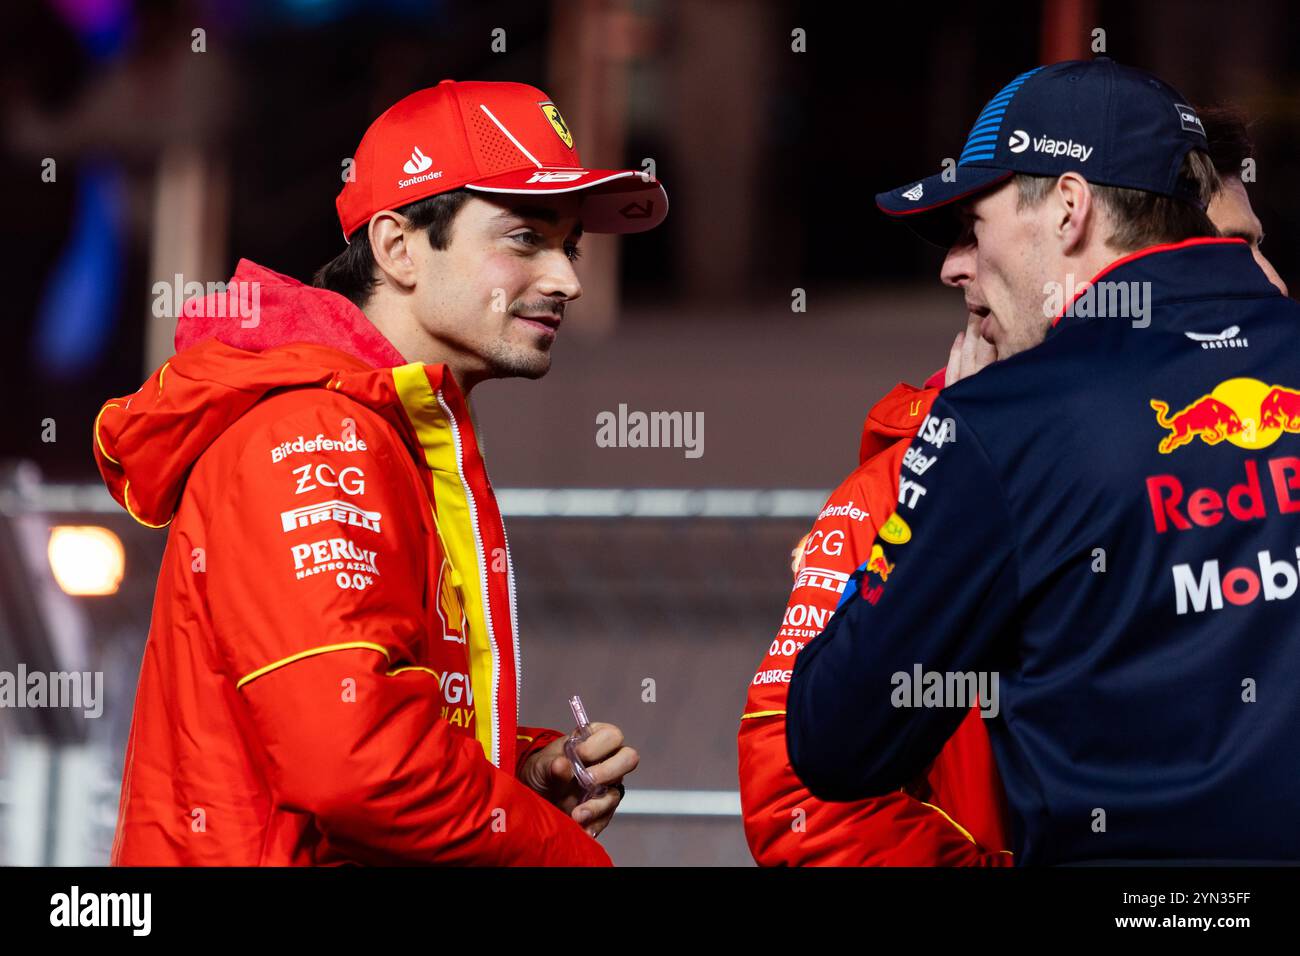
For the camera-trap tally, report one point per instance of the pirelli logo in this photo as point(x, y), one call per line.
point(344, 512)
point(823, 578)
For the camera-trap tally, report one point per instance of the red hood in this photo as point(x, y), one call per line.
point(898, 415)
point(299, 337)
point(287, 312)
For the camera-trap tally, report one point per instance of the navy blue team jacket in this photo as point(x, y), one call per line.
point(1110, 523)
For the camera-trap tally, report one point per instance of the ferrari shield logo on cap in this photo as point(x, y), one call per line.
point(557, 122)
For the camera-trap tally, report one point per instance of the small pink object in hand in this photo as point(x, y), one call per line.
point(588, 783)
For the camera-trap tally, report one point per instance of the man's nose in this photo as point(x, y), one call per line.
point(560, 281)
point(1269, 271)
point(958, 266)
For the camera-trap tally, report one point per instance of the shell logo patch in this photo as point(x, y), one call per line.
point(552, 113)
point(450, 610)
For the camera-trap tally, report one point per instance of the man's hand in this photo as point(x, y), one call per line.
point(970, 353)
point(549, 773)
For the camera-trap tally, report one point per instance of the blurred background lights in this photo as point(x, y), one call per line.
point(86, 559)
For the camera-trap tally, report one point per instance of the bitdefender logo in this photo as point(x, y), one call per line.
point(318, 444)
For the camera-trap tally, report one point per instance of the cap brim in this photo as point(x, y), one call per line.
point(617, 200)
point(926, 205)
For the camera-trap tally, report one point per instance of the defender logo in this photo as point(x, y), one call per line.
point(341, 511)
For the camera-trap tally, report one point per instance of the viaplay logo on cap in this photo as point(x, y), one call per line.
point(1019, 141)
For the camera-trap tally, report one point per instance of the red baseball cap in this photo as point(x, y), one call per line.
point(491, 138)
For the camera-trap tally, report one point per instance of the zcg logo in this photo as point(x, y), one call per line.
point(350, 481)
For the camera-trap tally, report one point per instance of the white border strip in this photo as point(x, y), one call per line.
point(680, 803)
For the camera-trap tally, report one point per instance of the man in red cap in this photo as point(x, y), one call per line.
point(332, 672)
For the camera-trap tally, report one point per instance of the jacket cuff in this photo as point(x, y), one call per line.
point(530, 740)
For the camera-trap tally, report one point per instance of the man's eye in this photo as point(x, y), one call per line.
point(573, 252)
point(527, 238)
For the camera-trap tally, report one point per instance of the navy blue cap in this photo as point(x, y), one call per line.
point(1113, 124)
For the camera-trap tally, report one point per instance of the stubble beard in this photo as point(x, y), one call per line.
point(511, 360)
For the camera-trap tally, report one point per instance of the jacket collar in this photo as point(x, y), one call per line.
point(1194, 269)
point(284, 312)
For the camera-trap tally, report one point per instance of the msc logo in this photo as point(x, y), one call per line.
point(1242, 411)
point(552, 113)
point(1019, 141)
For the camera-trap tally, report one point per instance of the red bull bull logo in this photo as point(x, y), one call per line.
point(876, 564)
point(1242, 411)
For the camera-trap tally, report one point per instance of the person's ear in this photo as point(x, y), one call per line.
point(390, 246)
point(1074, 213)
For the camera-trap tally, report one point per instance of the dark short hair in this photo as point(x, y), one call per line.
point(1230, 143)
point(352, 272)
point(1142, 218)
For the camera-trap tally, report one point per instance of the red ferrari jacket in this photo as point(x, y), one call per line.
point(955, 815)
point(332, 669)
